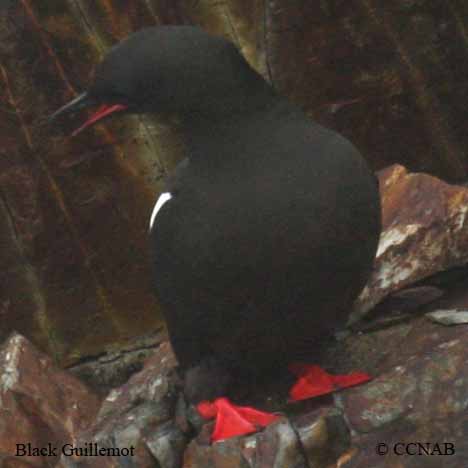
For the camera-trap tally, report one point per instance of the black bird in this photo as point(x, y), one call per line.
point(266, 232)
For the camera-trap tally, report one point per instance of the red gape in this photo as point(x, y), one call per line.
point(100, 113)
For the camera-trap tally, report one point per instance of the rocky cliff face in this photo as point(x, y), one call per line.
point(74, 277)
point(125, 408)
point(392, 78)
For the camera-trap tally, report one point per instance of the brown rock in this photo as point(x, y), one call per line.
point(421, 400)
point(278, 446)
point(424, 232)
point(153, 384)
point(139, 417)
point(167, 444)
point(314, 439)
point(113, 368)
point(323, 436)
point(39, 404)
point(449, 317)
point(225, 454)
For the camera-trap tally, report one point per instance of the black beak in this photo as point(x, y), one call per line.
point(80, 102)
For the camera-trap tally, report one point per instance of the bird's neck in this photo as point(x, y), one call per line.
point(243, 94)
point(218, 134)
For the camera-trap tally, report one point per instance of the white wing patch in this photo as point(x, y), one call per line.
point(163, 198)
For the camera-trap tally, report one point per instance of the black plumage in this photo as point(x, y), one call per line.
point(273, 221)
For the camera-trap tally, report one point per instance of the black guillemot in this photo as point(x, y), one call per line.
point(266, 232)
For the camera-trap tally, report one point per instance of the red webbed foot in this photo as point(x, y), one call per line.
point(313, 381)
point(233, 420)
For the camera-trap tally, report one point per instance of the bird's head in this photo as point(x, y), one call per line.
point(178, 70)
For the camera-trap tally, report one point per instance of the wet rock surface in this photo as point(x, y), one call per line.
point(390, 77)
point(112, 369)
point(138, 419)
point(424, 231)
point(405, 102)
point(414, 413)
point(418, 396)
point(417, 401)
point(40, 405)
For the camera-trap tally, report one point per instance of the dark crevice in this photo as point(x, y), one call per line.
point(302, 449)
point(265, 43)
point(112, 356)
point(10, 220)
